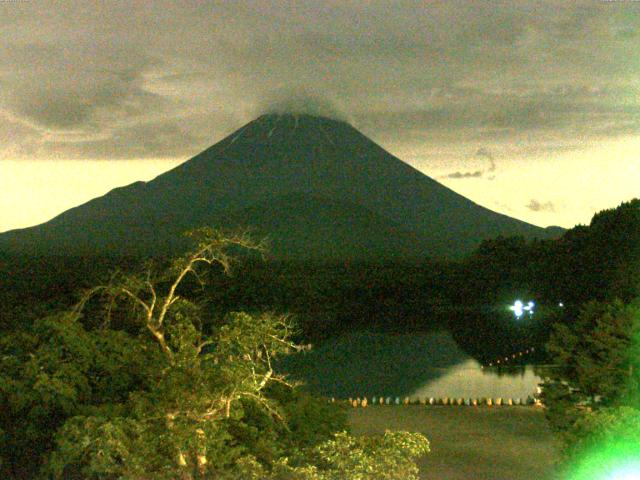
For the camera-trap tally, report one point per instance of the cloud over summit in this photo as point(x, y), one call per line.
point(301, 101)
point(495, 72)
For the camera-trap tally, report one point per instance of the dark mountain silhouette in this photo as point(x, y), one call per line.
point(317, 187)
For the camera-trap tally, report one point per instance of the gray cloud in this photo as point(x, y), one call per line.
point(537, 206)
point(482, 153)
point(62, 89)
point(459, 175)
point(301, 101)
point(148, 140)
point(87, 80)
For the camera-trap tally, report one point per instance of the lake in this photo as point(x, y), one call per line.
point(367, 364)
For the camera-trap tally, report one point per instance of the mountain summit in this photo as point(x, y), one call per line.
point(317, 187)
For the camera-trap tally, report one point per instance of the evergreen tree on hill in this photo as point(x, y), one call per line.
point(595, 370)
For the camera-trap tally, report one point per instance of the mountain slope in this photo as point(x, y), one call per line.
point(273, 167)
point(306, 227)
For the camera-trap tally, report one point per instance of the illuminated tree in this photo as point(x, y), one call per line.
point(163, 396)
point(595, 366)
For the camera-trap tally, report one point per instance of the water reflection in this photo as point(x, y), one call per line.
point(469, 380)
point(426, 365)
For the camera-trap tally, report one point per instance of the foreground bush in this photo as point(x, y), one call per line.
point(136, 384)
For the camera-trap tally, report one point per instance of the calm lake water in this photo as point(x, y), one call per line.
point(468, 380)
point(417, 365)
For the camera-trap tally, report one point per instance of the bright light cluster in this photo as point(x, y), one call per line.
point(608, 464)
point(628, 471)
point(518, 308)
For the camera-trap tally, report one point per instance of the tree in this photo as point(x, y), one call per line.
point(603, 429)
point(145, 387)
point(600, 262)
point(596, 365)
point(54, 370)
point(390, 457)
point(198, 380)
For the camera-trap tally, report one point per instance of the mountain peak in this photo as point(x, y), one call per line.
point(315, 185)
point(301, 101)
point(295, 118)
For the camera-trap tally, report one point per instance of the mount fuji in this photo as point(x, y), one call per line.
point(316, 187)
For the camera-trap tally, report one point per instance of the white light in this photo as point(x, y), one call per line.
point(630, 471)
point(518, 308)
point(561, 304)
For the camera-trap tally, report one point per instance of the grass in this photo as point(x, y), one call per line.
point(492, 443)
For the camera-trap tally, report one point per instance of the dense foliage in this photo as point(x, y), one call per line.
point(592, 390)
point(122, 387)
point(471, 297)
point(135, 383)
point(595, 365)
point(592, 385)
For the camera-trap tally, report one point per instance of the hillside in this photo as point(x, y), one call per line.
point(317, 187)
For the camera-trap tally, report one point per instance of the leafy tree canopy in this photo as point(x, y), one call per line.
point(132, 385)
point(595, 366)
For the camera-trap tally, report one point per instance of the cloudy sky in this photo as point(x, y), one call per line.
point(530, 108)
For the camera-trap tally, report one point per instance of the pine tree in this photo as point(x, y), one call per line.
point(594, 366)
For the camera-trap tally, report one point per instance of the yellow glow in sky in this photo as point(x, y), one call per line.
point(569, 188)
point(33, 192)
